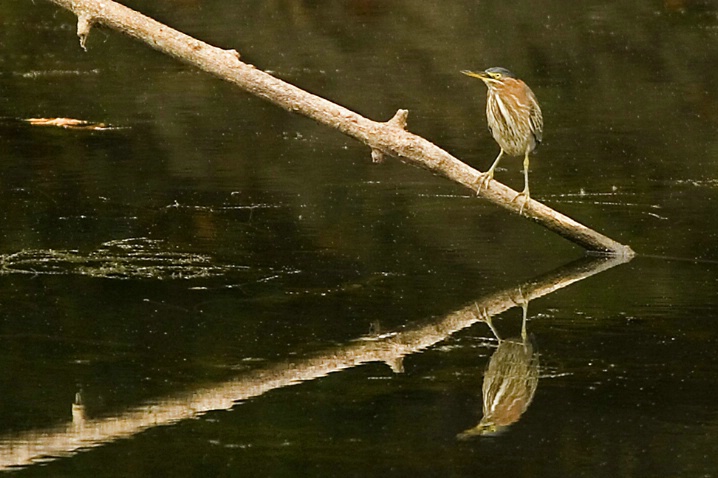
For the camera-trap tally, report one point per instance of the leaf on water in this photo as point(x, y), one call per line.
point(68, 123)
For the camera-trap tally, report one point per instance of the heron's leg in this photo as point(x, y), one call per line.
point(522, 302)
point(485, 178)
point(524, 195)
point(525, 307)
point(484, 315)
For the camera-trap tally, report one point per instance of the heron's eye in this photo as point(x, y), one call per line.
point(496, 75)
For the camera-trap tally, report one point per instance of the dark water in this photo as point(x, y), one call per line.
point(214, 287)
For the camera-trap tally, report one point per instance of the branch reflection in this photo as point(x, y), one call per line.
point(38, 445)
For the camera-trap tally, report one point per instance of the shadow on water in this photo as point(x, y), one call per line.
point(511, 375)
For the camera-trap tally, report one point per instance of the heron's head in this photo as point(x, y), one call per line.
point(486, 428)
point(493, 77)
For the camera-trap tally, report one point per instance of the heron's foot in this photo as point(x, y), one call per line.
point(483, 314)
point(485, 317)
point(523, 197)
point(483, 180)
point(519, 298)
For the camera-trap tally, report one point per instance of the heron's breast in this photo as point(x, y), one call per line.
point(508, 120)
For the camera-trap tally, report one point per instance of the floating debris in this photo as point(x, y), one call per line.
point(133, 258)
point(68, 123)
point(55, 73)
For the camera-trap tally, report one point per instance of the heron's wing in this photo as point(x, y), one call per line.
point(536, 119)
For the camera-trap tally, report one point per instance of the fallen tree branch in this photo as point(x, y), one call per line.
point(384, 138)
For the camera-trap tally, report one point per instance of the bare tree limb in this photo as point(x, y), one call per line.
point(384, 138)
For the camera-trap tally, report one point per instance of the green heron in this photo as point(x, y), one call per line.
point(510, 381)
point(514, 118)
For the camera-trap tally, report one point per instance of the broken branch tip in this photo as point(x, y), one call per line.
point(399, 119)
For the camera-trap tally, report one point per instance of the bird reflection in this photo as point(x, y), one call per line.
point(510, 381)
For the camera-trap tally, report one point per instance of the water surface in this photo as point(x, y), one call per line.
point(210, 286)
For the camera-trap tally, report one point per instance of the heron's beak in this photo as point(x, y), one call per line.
point(482, 75)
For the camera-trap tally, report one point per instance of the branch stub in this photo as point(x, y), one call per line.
point(84, 25)
point(399, 119)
